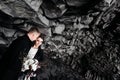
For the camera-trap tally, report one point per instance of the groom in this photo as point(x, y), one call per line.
point(19, 48)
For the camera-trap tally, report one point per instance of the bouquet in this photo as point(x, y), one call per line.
point(30, 64)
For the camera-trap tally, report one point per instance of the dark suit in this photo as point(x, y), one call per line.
point(12, 59)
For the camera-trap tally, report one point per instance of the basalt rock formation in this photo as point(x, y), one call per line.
point(82, 37)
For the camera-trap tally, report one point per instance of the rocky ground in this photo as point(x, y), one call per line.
point(82, 39)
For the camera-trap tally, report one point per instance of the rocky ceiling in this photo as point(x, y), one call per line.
point(82, 39)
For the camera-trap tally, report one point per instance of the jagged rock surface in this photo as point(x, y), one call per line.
point(82, 36)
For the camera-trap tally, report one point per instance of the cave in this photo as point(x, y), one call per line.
point(81, 37)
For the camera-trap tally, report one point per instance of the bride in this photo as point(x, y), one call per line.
point(30, 64)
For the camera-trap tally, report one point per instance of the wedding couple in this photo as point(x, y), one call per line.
point(27, 46)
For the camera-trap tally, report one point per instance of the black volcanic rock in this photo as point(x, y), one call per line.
point(81, 37)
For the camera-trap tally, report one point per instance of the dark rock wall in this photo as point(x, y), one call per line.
point(82, 36)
